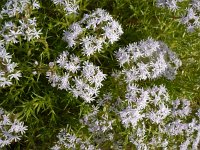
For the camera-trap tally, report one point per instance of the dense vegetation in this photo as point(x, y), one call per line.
point(109, 74)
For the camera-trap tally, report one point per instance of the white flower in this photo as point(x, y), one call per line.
point(4, 82)
point(181, 108)
point(71, 141)
point(171, 4)
point(62, 59)
point(196, 141)
point(70, 36)
point(143, 71)
point(35, 4)
point(89, 45)
point(8, 70)
point(10, 131)
point(159, 60)
point(81, 78)
point(13, 7)
point(112, 31)
point(191, 18)
point(160, 115)
point(122, 57)
point(64, 82)
point(15, 75)
point(130, 117)
point(18, 127)
point(184, 145)
point(92, 23)
point(55, 147)
point(26, 29)
point(4, 55)
point(70, 6)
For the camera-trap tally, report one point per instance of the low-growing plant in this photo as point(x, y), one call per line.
point(110, 74)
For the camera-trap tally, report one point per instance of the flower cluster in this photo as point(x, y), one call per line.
point(101, 123)
point(148, 101)
point(148, 59)
point(98, 122)
point(71, 141)
point(191, 19)
point(7, 68)
point(128, 113)
point(27, 29)
point(181, 129)
point(11, 129)
point(93, 31)
point(15, 7)
point(145, 111)
point(171, 4)
point(81, 78)
point(70, 6)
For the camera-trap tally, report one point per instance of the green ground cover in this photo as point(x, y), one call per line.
point(45, 110)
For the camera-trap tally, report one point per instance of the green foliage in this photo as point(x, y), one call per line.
point(45, 109)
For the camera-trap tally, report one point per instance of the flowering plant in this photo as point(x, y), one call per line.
point(104, 74)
